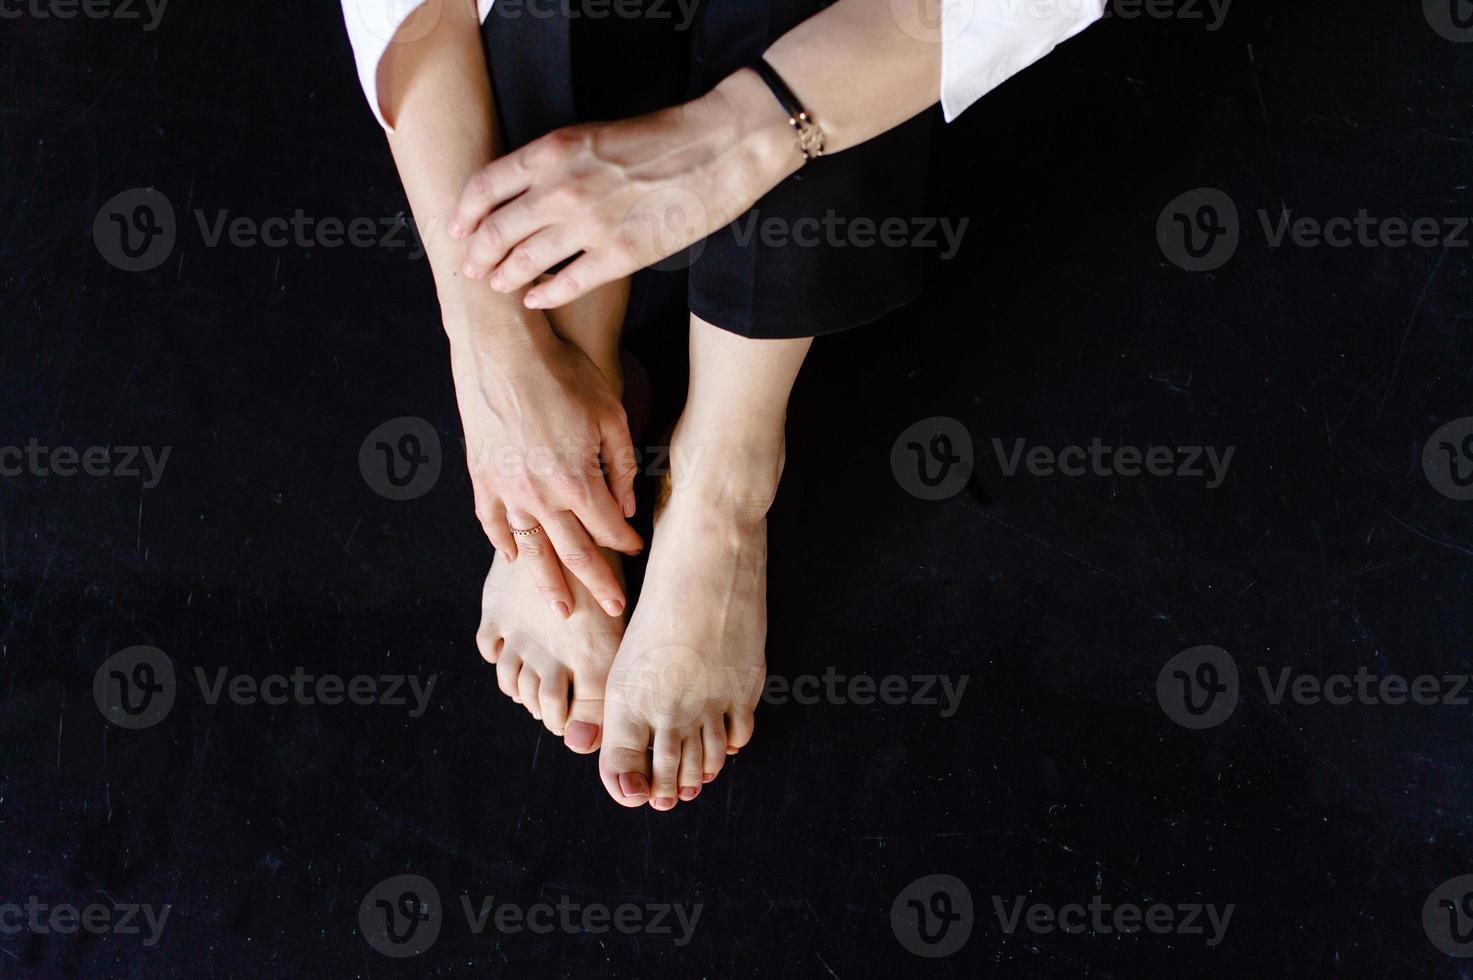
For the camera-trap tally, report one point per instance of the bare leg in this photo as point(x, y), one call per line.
point(690, 670)
point(557, 667)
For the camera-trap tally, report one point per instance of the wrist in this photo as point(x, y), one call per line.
point(757, 126)
point(489, 329)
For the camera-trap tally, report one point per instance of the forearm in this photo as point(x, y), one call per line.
point(437, 92)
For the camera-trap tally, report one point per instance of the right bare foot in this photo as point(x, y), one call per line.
point(554, 667)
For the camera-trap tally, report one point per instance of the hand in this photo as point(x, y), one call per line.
point(626, 194)
point(548, 444)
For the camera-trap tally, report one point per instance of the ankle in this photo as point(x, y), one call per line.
point(733, 483)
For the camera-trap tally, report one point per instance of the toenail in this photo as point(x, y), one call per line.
point(561, 608)
point(613, 606)
point(633, 784)
point(581, 735)
point(706, 777)
point(664, 803)
point(689, 792)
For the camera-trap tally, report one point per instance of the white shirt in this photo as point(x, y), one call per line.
point(983, 42)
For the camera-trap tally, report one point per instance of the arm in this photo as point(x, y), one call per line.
point(603, 189)
point(538, 415)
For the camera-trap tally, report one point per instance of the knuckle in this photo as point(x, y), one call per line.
point(489, 235)
point(532, 548)
point(577, 559)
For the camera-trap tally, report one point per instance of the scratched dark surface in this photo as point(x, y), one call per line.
point(262, 549)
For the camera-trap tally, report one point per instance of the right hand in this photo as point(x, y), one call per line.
point(548, 445)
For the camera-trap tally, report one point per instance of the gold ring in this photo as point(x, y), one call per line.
point(527, 533)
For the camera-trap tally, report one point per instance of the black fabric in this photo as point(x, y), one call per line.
point(791, 266)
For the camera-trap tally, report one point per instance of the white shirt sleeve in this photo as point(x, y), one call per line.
point(983, 42)
point(986, 42)
point(372, 25)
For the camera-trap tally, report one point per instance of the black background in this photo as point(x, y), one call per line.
point(1060, 321)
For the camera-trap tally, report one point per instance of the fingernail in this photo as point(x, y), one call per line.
point(498, 283)
point(561, 608)
point(706, 777)
point(689, 792)
point(730, 750)
point(633, 784)
point(664, 803)
point(468, 270)
point(613, 607)
point(455, 228)
point(629, 505)
point(532, 302)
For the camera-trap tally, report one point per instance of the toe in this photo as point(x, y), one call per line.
point(690, 767)
point(528, 686)
point(739, 726)
point(624, 760)
point(552, 698)
point(489, 642)
point(713, 748)
point(666, 783)
point(508, 669)
point(586, 715)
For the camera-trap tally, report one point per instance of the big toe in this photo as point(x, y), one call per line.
point(625, 771)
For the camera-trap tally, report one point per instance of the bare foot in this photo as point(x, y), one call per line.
point(556, 668)
point(690, 670)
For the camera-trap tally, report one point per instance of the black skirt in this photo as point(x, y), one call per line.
point(822, 252)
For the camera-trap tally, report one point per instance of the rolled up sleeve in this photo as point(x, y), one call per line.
point(986, 42)
point(372, 26)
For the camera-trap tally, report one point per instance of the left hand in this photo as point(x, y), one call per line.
point(626, 194)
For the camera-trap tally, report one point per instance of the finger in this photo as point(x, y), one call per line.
point(495, 525)
point(497, 182)
point(532, 258)
point(537, 551)
point(580, 556)
point(621, 463)
point(605, 523)
point(498, 234)
point(582, 277)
